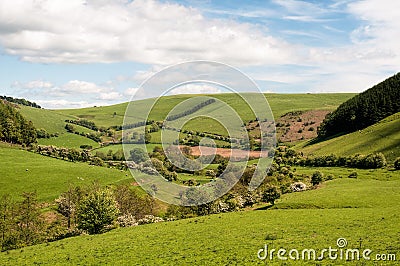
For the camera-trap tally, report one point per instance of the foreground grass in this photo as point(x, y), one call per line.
point(364, 209)
point(23, 171)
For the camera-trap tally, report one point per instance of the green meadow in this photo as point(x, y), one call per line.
point(364, 211)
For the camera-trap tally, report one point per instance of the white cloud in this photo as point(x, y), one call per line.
point(84, 87)
point(61, 104)
point(110, 96)
point(195, 89)
point(34, 84)
point(142, 30)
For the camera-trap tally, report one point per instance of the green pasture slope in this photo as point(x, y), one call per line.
point(381, 137)
point(23, 171)
point(280, 104)
point(363, 209)
point(54, 122)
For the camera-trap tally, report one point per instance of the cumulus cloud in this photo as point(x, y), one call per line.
point(145, 31)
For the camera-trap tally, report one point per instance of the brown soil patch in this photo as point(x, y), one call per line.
point(296, 126)
point(236, 153)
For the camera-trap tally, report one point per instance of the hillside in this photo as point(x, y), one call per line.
point(342, 208)
point(280, 104)
point(381, 137)
point(364, 109)
point(23, 171)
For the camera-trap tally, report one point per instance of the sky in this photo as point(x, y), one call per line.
point(80, 53)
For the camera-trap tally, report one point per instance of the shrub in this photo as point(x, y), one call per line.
point(317, 178)
point(96, 211)
point(138, 155)
point(270, 195)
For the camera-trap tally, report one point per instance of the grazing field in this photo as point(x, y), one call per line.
point(68, 140)
point(364, 211)
point(280, 104)
point(23, 171)
point(381, 137)
point(50, 120)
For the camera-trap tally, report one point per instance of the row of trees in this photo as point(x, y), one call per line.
point(287, 156)
point(191, 110)
point(95, 136)
point(364, 109)
point(84, 123)
point(20, 101)
point(14, 128)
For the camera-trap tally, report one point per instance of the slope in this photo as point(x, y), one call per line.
point(381, 137)
point(235, 238)
point(23, 171)
point(280, 104)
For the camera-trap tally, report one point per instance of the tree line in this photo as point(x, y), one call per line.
point(190, 111)
point(14, 128)
point(20, 101)
point(364, 109)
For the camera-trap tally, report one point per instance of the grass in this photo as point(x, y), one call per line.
point(381, 137)
point(23, 171)
point(280, 104)
point(365, 209)
point(50, 120)
point(69, 140)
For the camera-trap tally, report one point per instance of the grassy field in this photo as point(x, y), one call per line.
point(69, 140)
point(363, 209)
point(23, 171)
point(381, 137)
point(50, 120)
point(280, 104)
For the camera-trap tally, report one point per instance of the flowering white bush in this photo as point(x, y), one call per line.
point(127, 220)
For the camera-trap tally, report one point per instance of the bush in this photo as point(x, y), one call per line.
point(397, 163)
point(270, 195)
point(353, 175)
point(138, 155)
point(96, 211)
point(317, 178)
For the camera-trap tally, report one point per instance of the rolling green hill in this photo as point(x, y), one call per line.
point(23, 171)
point(280, 104)
point(341, 208)
point(54, 122)
point(381, 137)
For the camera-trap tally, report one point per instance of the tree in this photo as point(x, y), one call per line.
point(96, 211)
point(397, 163)
point(317, 177)
point(147, 137)
point(67, 203)
point(138, 155)
point(29, 221)
point(7, 223)
point(271, 194)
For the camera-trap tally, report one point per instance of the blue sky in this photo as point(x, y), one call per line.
point(66, 54)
